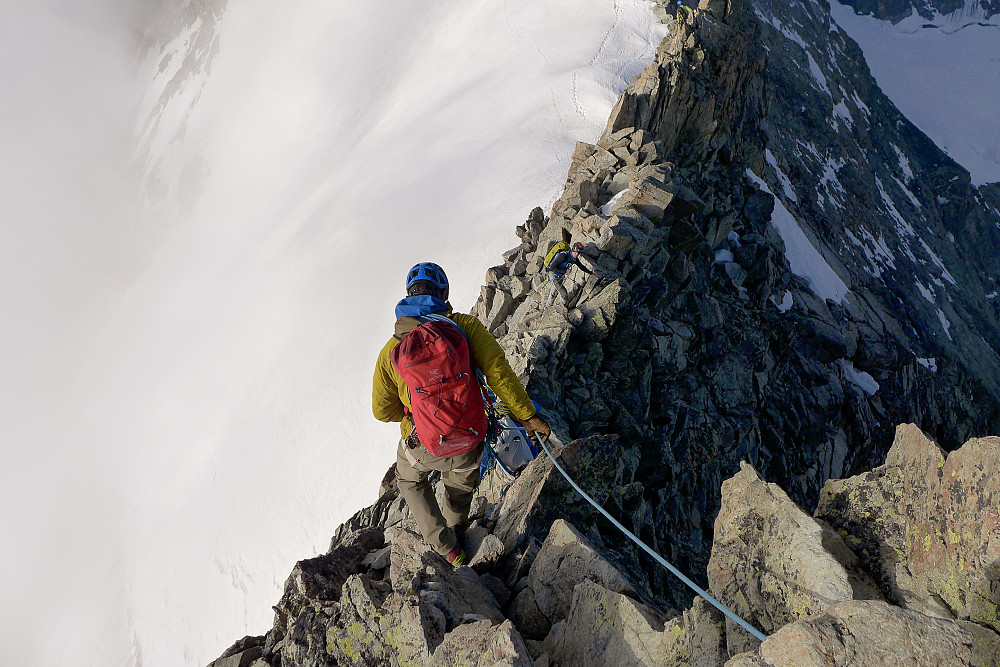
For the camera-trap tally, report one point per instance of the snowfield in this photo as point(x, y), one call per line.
point(189, 412)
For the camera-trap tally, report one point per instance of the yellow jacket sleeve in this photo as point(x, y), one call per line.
point(491, 360)
point(389, 392)
point(386, 403)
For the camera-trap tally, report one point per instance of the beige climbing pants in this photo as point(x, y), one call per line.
point(460, 476)
point(556, 288)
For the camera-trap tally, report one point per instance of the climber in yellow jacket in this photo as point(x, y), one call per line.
point(427, 295)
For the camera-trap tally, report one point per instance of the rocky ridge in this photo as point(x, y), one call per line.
point(691, 354)
point(865, 581)
point(706, 347)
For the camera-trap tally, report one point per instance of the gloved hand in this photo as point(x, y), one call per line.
point(537, 425)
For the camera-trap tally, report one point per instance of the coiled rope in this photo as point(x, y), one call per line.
point(693, 586)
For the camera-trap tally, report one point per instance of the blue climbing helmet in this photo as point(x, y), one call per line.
point(428, 271)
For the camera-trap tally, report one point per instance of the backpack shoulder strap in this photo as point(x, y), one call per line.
point(435, 317)
point(406, 324)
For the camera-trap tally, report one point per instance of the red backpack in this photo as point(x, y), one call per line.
point(445, 398)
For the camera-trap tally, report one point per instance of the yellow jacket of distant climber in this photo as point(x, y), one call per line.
point(390, 394)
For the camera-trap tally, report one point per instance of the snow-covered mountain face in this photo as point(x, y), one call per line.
point(943, 73)
point(929, 10)
point(891, 209)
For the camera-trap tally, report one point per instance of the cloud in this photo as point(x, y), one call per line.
point(65, 190)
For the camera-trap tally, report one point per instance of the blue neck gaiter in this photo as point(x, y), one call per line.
point(418, 306)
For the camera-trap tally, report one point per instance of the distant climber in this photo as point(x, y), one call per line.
point(558, 261)
point(432, 358)
point(684, 13)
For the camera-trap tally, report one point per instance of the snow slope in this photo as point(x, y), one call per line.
point(191, 413)
point(944, 75)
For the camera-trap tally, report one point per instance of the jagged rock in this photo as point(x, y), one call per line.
point(503, 305)
point(523, 560)
point(772, 563)
point(678, 101)
point(874, 634)
point(505, 649)
point(241, 654)
point(550, 318)
point(649, 197)
point(484, 645)
point(535, 222)
point(927, 525)
point(541, 494)
point(378, 560)
point(586, 193)
point(567, 558)
point(619, 238)
point(495, 273)
point(389, 485)
point(485, 301)
point(496, 586)
point(388, 510)
point(608, 628)
point(365, 632)
point(519, 286)
point(416, 568)
point(581, 153)
point(599, 313)
point(318, 581)
point(421, 615)
point(697, 637)
point(483, 548)
point(528, 618)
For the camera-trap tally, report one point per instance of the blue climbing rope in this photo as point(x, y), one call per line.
point(693, 586)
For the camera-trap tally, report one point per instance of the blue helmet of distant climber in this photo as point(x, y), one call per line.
point(427, 271)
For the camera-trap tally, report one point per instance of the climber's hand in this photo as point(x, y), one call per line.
point(538, 426)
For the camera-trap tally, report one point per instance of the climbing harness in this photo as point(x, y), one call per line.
point(507, 448)
point(693, 586)
point(495, 473)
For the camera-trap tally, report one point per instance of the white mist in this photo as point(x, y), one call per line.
point(186, 404)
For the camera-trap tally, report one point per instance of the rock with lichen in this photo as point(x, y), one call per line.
point(773, 564)
point(927, 525)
